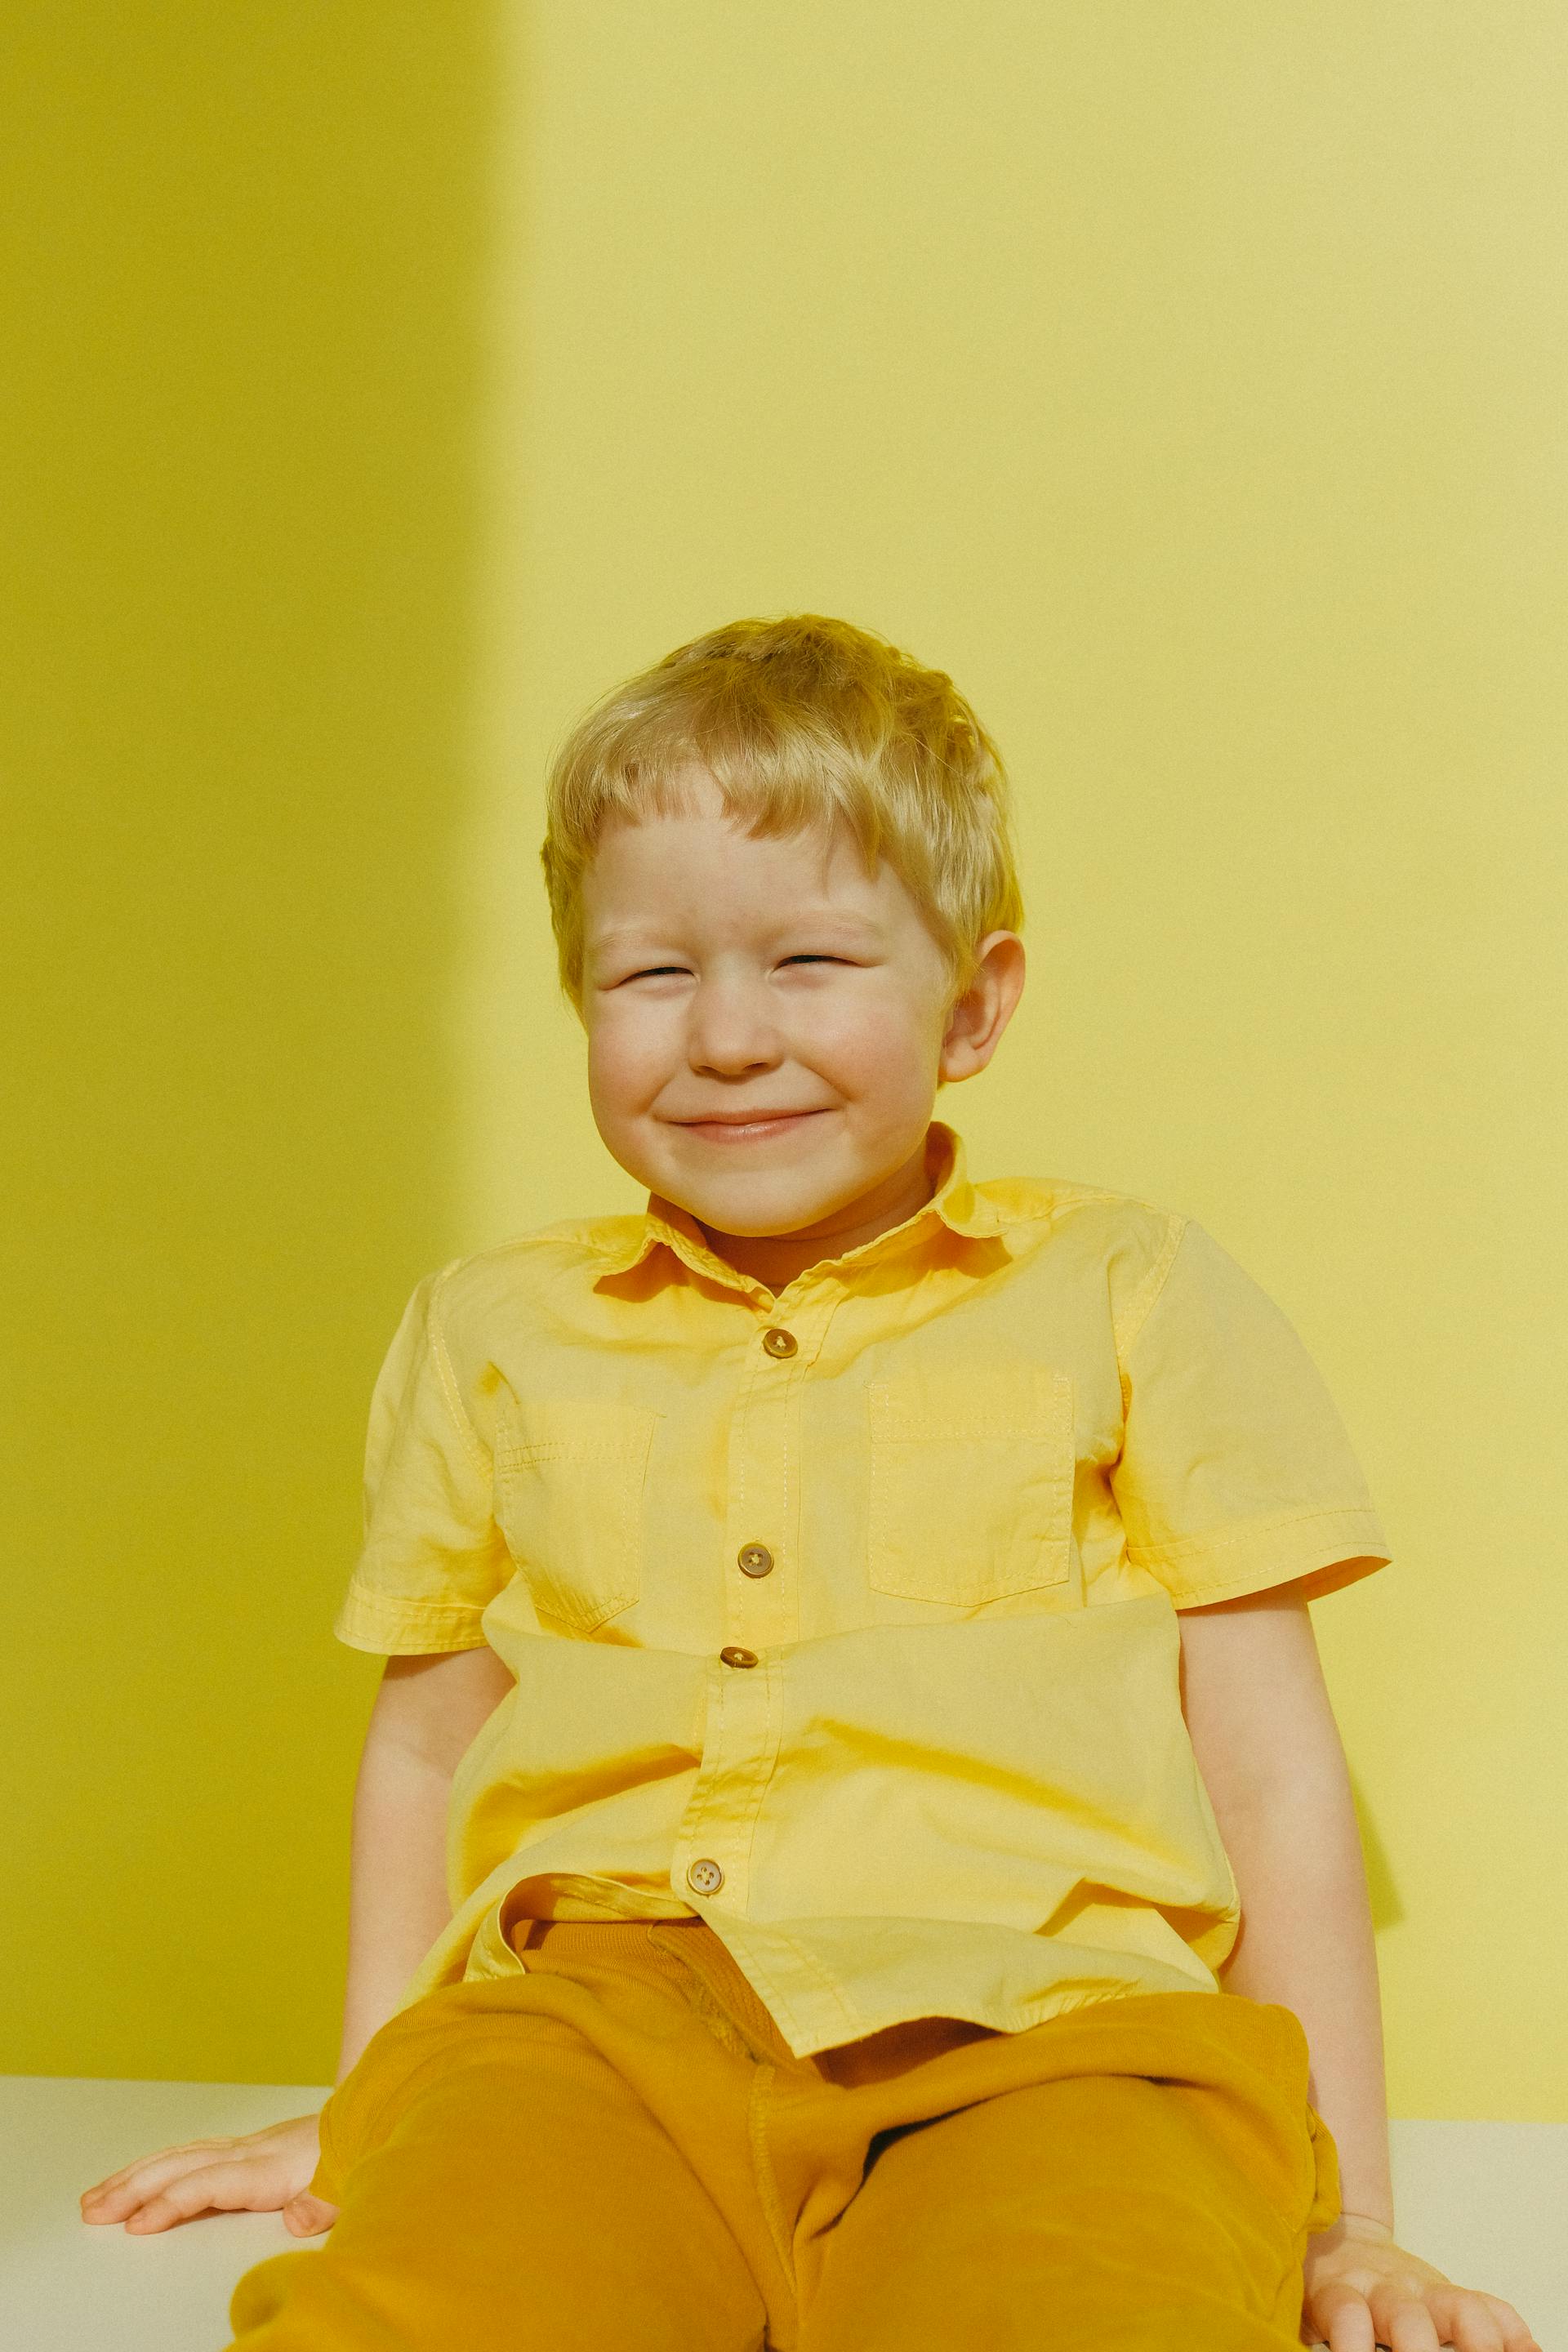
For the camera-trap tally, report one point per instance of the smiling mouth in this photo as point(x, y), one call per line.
point(763, 1122)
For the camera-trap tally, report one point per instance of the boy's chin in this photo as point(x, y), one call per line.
point(749, 1201)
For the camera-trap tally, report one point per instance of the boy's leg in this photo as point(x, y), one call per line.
point(1083, 2215)
point(514, 2190)
point(1160, 2205)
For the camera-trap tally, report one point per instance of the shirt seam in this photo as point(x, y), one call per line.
point(1126, 1327)
point(1184, 1597)
point(1244, 1531)
point(781, 2007)
point(367, 1594)
point(379, 1648)
point(447, 1378)
point(366, 1618)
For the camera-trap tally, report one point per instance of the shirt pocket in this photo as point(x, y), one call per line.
point(971, 1482)
point(569, 1496)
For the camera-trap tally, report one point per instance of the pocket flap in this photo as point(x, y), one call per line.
point(972, 1480)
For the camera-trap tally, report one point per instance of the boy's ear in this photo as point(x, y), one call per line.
point(978, 1017)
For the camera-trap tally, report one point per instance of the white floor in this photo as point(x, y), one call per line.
point(1485, 2202)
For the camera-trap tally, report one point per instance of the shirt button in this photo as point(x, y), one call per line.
point(755, 1559)
point(779, 1343)
point(736, 1656)
point(705, 1877)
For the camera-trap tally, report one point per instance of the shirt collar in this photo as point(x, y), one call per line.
point(954, 1203)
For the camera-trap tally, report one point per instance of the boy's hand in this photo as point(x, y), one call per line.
point(1362, 2290)
point(264, 2172)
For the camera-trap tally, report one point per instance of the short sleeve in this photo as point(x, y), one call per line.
point(1236, 1471)
point(433, 1556)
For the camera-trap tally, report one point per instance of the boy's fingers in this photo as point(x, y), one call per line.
point(1465, 2321)
point(1341, 2318)
point(139, 2181)
point(130, 2172)
point(1467, 2317)
point(1402, 2321)
point(235, 2186)
point(308, 2216)
point(1516, 2335)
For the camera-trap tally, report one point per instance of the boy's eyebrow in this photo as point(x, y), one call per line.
point(835, 919)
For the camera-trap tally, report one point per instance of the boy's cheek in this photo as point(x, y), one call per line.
point(866, 1045)
point(629, 1062)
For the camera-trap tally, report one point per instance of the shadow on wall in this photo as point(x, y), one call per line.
point(1387, 1910)
point(244, 354)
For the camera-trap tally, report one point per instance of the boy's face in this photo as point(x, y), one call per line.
point(729, 981)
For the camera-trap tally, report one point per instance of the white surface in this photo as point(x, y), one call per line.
point(1486, 2202)
point(70, 2286)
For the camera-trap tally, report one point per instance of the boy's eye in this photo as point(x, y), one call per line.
point(654, 972)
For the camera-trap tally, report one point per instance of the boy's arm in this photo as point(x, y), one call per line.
point(1264, 1734)
point(427, 1711)
point(1269, 1749)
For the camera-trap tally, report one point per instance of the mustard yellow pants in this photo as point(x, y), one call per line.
point(615, 2151)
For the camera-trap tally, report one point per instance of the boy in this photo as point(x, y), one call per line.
point(852, 1621)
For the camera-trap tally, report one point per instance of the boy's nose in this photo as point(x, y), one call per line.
point(732, 1030)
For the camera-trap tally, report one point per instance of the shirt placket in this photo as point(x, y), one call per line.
point(763, 1516)
point(762, 1615)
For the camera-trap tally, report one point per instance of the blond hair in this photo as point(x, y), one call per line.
point(801, 721)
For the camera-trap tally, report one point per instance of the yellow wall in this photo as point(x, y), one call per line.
point(243, 364)
point(1189, 383)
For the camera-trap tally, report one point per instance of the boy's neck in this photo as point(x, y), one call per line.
point(775, 1259)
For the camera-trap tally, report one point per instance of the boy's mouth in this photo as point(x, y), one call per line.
point(738, 1129)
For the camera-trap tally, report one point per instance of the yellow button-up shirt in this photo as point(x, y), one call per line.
point(845, 1617)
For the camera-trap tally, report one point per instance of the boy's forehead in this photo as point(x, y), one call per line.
point(654, 866)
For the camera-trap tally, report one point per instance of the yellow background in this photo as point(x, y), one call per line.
point(383, 382)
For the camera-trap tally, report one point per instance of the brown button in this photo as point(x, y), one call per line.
point(755, 1559)
point(706, 1876)
point(780, 1343)
point(736, 1656)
